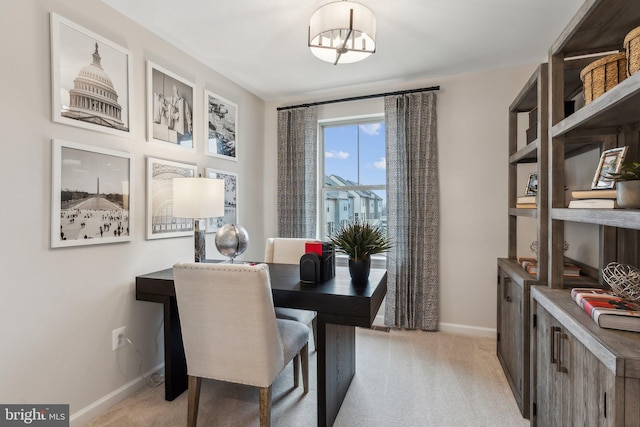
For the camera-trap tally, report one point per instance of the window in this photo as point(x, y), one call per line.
point(353, 173)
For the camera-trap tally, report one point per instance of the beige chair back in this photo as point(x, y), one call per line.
point(228, 322)
point(284, 250)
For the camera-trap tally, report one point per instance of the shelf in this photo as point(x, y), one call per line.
point(598, 26)
point(527, 154)
point(527, 99)
point(622, 218)
point(530, 213)
point(616, 108)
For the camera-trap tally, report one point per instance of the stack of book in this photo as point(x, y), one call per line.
point(607, 309)
point(531, 266)
point(526, 202)
point(593, 199)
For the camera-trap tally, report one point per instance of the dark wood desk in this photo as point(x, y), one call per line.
point(340, 306)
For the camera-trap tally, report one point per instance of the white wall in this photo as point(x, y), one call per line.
point(59, 306)
point(472, 141)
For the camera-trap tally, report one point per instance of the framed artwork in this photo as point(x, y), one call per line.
point(91, 79)
point(221, 125)
point(160, 221)
point(230, 199)
point(610, 162)
point(169, 108)
point(90, 195)
point(532, 185)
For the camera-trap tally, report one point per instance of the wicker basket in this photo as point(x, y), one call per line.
point(602, 75)
point(632, 48)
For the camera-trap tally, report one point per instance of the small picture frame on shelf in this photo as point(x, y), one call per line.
point(610, 162)
point(532, 185)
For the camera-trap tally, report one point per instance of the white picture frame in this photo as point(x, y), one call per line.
point(230, 199)
point(78, 52)
point(220, 127)
point(91, 199)
point(160, 222)
point(610, 162)
point(170, 108)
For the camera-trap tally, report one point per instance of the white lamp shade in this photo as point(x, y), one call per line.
point(329, 26)
point(198, 197)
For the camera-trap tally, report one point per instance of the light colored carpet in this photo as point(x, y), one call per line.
point(403, 379)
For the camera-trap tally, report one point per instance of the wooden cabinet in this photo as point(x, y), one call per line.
point(513, 298)
point(583, 374)
point(513, 281)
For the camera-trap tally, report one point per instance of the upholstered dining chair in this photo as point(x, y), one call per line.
point(230, 331)
point(288, 250)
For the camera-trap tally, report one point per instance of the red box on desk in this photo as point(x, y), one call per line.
point(315, 247)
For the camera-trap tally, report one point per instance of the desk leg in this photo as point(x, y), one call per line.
point(175, 364)
point(336, 355)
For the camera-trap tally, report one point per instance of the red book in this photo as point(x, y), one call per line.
point(607, 309)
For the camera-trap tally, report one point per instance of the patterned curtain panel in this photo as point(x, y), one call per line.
point(412, 211)
point(297, 189)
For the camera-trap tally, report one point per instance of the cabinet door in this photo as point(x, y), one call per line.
point(510, 345)
point(592, 386)
point(551, 384)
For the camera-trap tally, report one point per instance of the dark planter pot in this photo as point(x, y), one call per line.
point(628, 194)
point(359, 270)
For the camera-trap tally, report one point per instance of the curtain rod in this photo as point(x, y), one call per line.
point(358, 98)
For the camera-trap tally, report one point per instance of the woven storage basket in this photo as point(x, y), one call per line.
point(632, 48)
point(602, 75)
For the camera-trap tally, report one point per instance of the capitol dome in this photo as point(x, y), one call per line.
point(93, 98)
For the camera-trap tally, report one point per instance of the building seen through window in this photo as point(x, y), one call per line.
point(354, 165)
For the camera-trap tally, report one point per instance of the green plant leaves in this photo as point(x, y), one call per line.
point(360, 240)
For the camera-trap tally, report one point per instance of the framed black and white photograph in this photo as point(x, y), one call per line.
point(230, 199)
point(160, 221)
point(532, 185)
point(90, 196)
point(220, 127)
point(169, 107)
point(610, 162)
point(91, 79)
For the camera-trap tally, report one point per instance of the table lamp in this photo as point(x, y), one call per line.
point(198, 199)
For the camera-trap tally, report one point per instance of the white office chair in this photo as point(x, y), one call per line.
point(230, 331)
point(283, 250)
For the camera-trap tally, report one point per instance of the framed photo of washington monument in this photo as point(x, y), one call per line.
point(90, 79)
point(91, 195)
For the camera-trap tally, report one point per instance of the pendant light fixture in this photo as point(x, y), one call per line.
point(342, 32)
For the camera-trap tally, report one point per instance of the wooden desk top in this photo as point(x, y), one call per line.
point(337, 300)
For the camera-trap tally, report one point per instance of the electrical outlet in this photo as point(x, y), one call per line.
point(119, 338)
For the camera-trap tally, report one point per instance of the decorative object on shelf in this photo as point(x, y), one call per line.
point(342, 32)
point(232, 240)
point(608, 309)
point(624, 280)
point(534, 247)
point(627, 185)
point(198, 199)
point(610, 164)
point(603, 75)
point(632, 49)
point(532, 185)
point(359, 240)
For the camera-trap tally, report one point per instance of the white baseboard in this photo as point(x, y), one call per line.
point(86, 414)
point(474, 331)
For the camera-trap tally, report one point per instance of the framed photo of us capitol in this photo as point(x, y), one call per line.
point(90, 196)
point(91, 79)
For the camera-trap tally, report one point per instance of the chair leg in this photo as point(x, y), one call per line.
point(194, 400)
point(265, 406)
point(314, 327)
point(296, 375)
point(304, 353)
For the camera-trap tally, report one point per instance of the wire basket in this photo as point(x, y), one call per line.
point(623, 279)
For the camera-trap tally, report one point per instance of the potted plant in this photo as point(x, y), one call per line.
point(359, 240)
point(628, 185)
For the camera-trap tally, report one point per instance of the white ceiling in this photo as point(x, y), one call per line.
point(262, 45)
